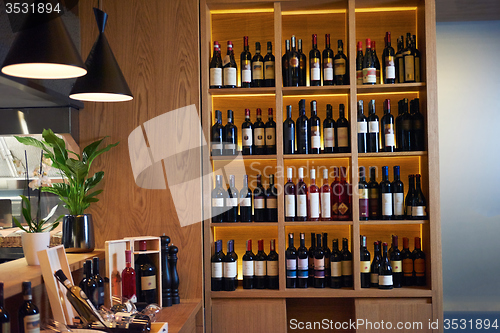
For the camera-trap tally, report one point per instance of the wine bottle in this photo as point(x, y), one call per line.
point(335, 266)
point(409, 61)
point(218, 196)
point(340, 65)
point(314, 130)
point(231, 214)
point(294, 65)
point(409, 197)
point(343, 137)
point(337, 189)
point(272, 201)
point(290, 199)
point(302, 263)
point(373, 129)
point(313, 198)
point(90, 286)
point(327, 63)
point(310, 253)
point(328, 253)
point(319, 264)
point(217, 135)
point(418, 264)
point(387, 124)
point(245, 202)
point(418, 209)
point(259, 202)
point(359, 64)
point(407, 260)
point(248, 267)
point(230, 136)
point(388, 65)
point(386, 192)
point(376, 62)
point(291, 263)
point(400, 70)
point(362, 129)
point(403, 127)
point(259, 135)
point(216, 68)
point(329, 131)
point(4, 315)
point(216, 260)
point(99, 282)
point(417, 59)
point(375, 266)
point(302, 65)
point(385, 272)
point(247, 135)
point(269, 78)
point(364, 196)
point(285, 64)
point(270, 133)
point(229, 68)
point(301, 198)
point(364, 263)
point(373, 195)
point(346, 264)
point(288, 132)
point(396, 263)
point(260, 267)
point(272, 266)
point(398, 195)
point(344, 197)
point(246, 65)
point(257, 67)
point(146, 276)
point(326, 198)
point(302, 129)
point(129, 287)
point(230, 265)
point(315, 63)
point(28, 315)
point(417, 127)
point(369, 70)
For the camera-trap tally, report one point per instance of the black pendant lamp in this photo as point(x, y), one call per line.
point(43, 49)
point(104, 81)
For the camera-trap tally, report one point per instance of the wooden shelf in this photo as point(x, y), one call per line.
point(315, 156)
point(394, 154)
point(375, 222)
point(326, 90)
point(179, 317)
point(245, 157)
point(316, 223)
point(397, 87)
point(244, 224)
point(241, 91)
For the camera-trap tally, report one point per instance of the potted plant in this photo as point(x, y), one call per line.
point(77, 191)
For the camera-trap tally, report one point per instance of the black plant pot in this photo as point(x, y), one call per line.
point(78, 233)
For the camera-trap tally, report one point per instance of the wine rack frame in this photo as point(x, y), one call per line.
point(359, 15)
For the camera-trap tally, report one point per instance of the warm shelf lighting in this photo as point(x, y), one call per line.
point(313, 12)
point(384, 9)
point(389, 93)
point(244, 95)
point(242, 11)
point(315, 95)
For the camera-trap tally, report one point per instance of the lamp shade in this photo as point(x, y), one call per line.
point(104, 81)
point(43, 49)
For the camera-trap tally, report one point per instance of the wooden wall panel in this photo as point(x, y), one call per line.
point(156, 44)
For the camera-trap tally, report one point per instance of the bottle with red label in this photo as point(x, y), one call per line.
point(336, 188)
point(369, 70)
point(301, 197)
point(129, 279)
point(377, 63)
point(146, 276)
point(407, 261)
point(344, 197)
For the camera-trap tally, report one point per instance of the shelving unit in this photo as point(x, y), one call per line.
point(351, 21)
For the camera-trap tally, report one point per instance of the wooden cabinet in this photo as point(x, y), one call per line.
point(351, 21)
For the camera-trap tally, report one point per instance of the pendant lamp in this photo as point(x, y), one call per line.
point(43, 49)
point(104, 81)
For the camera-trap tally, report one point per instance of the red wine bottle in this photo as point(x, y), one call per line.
point(343, 136)
point(329, 131)
point(364, 197)
point(28, 315)
point(4, 315)
point(294, 65)
point(407, 261)
point(326, 198)
point(90, 286)
point(344, 197)
point(129, 287)
point(400, 69)
point(216, 68)
point(231, 214)
point(418, 209)
point(417, 127)
point(218, 196)
point(319, 264)
point(398, 193)
point(369, 70)
point(377, 63)
point(375, 266)
point(328, 253)
point(409, 197)
point(302, 263)
point(313, 199)
point(146, 276)
point(335, 266)
point(217, 271)
point(247, 135)
point(259, 202)
point(217, 135)
point(327, 63)
point(409, 61)
point(272, 266)
point(387, 124)
point(418, 264)
point(386, 193)
point(341, 65)
point(417, 59)
point(364, 263)
point(246, 65)
point(270, 133)
point(291, 263)
point(272, 201)
point(315, 63)
point(302, 136)
point(359, 64)
point(269, 67)
point(230, 136)
point(336, 190)
point(288, 132)
point(347, 280)
point(301, 198)
point(260, 267)
point(285, 64)
point(259, 135)
point(385, 272)
point(257, 67)
point(248, 267)
point(230, 265)
point(362, 129)
point(310, 253)
point(396, 263)
point(302, 65)
point(229, 68)
point(373, 195)
point(314, 130)
point(388, 65)
point(403, 127)
point(245, 202)
point(290, 197)
point(373, 128)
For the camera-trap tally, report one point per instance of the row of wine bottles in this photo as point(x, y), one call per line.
point(260, 271)
point(402, 66)
point(92, 283)
point(392, 268)
point(28, 315)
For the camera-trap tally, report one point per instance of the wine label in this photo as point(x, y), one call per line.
point(319, 267)
point(246, 71)
point(359, 77)
point(301, 205)
point(390, 69)
point(246, 202)
point(417, 69)
point(230, 146)
point(260, 268)
point(272, 268)
point(232, 202)
point(269, 70)
point(409, 63)
point(374, 278)
point(398, 204)
point(217, 202)
point(326, 205)
point(346, 267)
point(418, 211)
point(343, 139)
point(259, 137)
point(314, 205)
point(369, 75)
point(230, 269)
point(216, 76)
point(406, 125)
point(303, 264)
point(364, 266)
point(272, 203)
point(364, 210)
point(401, 70)
point(327, 69)
point(291, 268)
point(258, 70)
point(385, 280)
point(315, 137)
point(230, 76)
point(387, 204)
point(270, 136)
point(248, 268)
point(290, 205)
point(339, 66)
point(216, 146)
point(329, 137)
point(363, 193)
point(148, 282)
point(389, 135)
point(259, 203)
point(373, 126)
point(397, 266)
point(217, 270)
point(408, 267)
point(343, 208)
point(336, 269)
point(315, 69)
point(32, 323)
point(335, 208)
point(247, 137)
point(362, 127)
point(5, 327)
point(226, 60)
point(294, 62)
point(419, 267)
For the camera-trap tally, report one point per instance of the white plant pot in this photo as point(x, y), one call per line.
point(32, 243)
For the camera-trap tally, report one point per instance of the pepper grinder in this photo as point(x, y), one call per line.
point(166, 281)
point(172, 260)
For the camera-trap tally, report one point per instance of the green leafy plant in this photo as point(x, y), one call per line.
point(76, 191)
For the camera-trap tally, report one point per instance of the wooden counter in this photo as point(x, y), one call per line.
point(182, 318)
